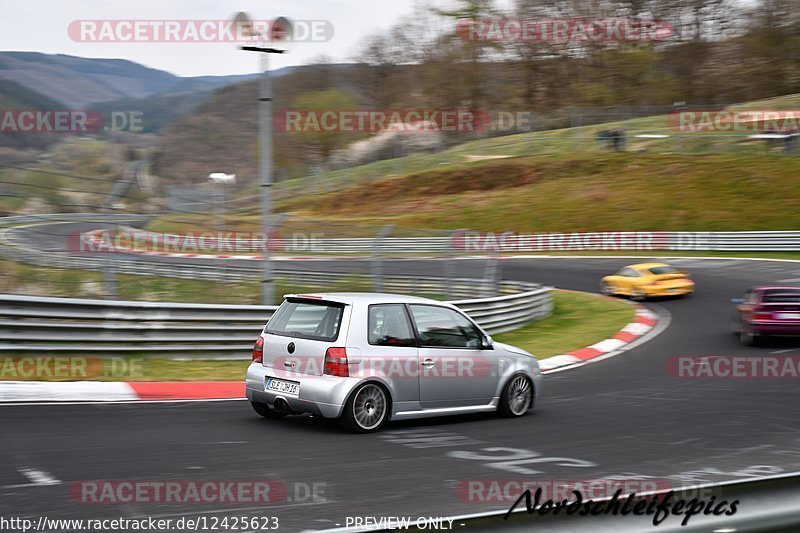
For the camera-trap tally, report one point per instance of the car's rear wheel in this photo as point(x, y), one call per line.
point(367, 409)
point(748, 338)
point(266, 411)
point(517, 396)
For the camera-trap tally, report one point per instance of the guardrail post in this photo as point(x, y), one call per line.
point(109, 271)
point(449, 264)
point(376, 267)
point(491, 274)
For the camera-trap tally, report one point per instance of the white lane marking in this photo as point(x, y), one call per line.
point(784, 351)
point(427, 438)
point(38, 477)
point(512, 459)
point(21, 391)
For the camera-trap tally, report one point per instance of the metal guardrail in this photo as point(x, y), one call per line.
point(63, 325)
point(468, 242)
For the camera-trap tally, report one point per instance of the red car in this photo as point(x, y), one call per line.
point(767, 311)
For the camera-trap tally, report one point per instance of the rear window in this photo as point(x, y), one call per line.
point(666, 269)
point(781, 296)
point(307, 320)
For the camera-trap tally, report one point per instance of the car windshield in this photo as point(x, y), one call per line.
point(665, 269)
point(307, 320)
point(781, 296)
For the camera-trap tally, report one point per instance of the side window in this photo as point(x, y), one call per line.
point(444, 327)
point(629, 272)
point(388, 326)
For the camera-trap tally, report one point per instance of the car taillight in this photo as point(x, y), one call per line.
point(258, 350)
point(653, 283)
point(336, 362)
point(762, 315)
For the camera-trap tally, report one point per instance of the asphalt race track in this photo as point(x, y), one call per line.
point(625, 417)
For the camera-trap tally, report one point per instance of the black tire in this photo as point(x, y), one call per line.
point(747, 338)
point(607, 289)
point(517, 396)
point(266, 411)
point(367, 409)
point(638, 295)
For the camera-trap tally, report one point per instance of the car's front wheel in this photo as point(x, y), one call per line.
point(367, 409)
point(266, 411)
point(517, 396)
point(606, 288)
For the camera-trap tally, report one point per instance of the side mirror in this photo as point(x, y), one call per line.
point(737, 300)
point(486, 343)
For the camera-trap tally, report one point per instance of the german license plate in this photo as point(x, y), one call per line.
point(290, 388)
point(788, 316)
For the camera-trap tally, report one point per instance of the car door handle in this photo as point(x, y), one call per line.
point(428, 363)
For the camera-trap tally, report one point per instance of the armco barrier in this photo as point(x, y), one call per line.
point(473, 242)
point(101, 327)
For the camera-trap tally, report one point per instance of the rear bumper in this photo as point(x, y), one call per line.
point(668, 291)
point(774, 328)
point(319, 395)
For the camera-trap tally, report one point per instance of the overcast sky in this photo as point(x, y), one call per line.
point(41, 26)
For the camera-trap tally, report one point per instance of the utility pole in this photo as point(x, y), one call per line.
point(280, 29)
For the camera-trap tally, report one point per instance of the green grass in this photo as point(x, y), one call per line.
point(579, 192)
point(568, 192)
point(578, 320)
point(706, 181)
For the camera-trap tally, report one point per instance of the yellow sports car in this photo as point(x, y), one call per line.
point(647, 279)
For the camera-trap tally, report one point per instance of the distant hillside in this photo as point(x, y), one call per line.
point(79, 81)
point(221, 135)
point(15, 96)
point(156, 111)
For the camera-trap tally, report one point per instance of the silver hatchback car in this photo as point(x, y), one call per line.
point(368, 358)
